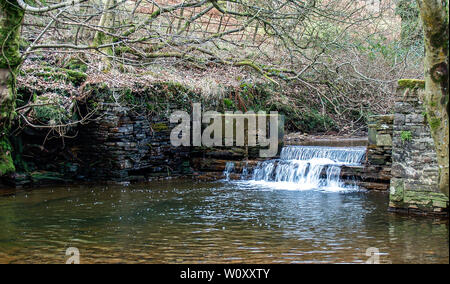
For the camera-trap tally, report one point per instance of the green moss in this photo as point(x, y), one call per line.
point(397, 190)
point(99, 39)
point(435, 123)
point(54, 112)
point(58, 74)
point(411, 84)
point(6, 165)
point(46, 114)
point(10, 33)
point(6, 161)
point(76, 64)
point(439, 37)
point(75, 76)
point(158, 127)
point(10, 58)
point(406, 136)
point(8, 104)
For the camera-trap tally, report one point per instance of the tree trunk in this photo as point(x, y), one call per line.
point(106, 22)
point(434, 16)
point(11, 17)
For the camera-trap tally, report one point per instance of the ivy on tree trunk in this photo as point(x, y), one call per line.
point(11, 16)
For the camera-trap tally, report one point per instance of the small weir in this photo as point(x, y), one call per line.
point(307, 167)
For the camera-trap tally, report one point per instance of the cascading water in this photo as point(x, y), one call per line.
point(307, 167)
point(228, 170)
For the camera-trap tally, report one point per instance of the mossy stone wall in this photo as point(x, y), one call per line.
point(122, 145)
point(414, 186)
point(377, 171)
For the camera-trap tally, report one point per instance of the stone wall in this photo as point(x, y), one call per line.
point(210, 163)
point(414, 185)
point(121, 145)
point(124, 146)
point(377, 171)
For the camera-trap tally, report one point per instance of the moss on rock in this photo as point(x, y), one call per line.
point(411, 84)
point(158, 127)
point(6, 161)
point(76, 64)
point(53, 109)
point(58, 74)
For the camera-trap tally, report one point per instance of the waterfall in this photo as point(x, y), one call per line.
point(228, 170)
point(308, 167)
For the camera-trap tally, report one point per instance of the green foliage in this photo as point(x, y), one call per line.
point(158, 98)
point(75, 76)
point(51, 74)
point(406, 136)
point(425, 114)
point(163, 97)
point(410, 46)
point(309, 121)
point(316, 122)
point(378, 45)
point(435, 123)
point(53, 113)
point(76, 64)
point(129, 97)
point(45, 114)
point(228, 103)
point(411, 33)
point(255, 96)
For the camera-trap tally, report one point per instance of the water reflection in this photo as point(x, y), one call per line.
point(186, 222)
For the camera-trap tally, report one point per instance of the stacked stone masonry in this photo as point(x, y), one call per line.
point(377, 170)
point(414, 185)
point(124, 146)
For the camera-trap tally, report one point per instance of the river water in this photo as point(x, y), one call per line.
point(225, 222)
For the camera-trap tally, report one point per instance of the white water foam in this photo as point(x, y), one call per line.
point(307, 168)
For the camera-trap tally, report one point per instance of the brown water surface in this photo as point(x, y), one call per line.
point(189, 222)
